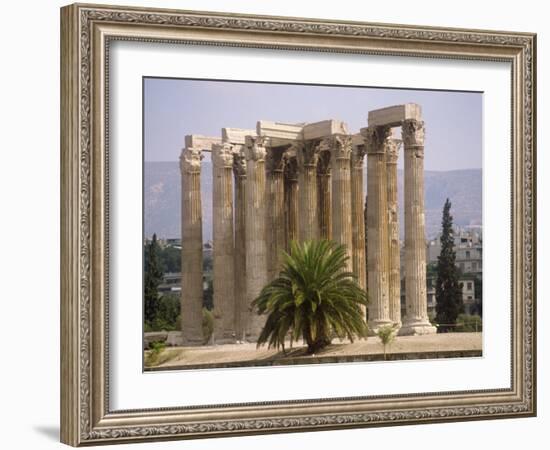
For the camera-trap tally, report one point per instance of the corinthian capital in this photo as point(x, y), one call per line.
point(239, 162)
point(190, 160)
point(340, 146)
point(392, 150)
point(375, 138)
point(307, 154)
point(290, 167)
point(413, 133)
point(222, 155)
point(274, 161)
point(255, 148)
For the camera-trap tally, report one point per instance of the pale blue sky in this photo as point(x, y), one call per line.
point(174, 108)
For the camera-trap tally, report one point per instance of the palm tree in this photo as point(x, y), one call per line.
point(314, 298)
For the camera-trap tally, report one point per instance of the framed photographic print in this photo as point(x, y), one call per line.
point(279, 224)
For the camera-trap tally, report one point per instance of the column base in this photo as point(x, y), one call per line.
point(417, 328)
point(192, 340)
point(375, 325)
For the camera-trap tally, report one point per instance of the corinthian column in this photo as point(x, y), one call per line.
point(393, 228)
point(241, 307)
point(324, 196)
point(224, 277)
point(256, 248)
point(291, 198)
point(357, 215)
point(416, 316)
point(275, 210)
point(340, 149)
point(191, 246)
point(307, 157)
point(377, 227)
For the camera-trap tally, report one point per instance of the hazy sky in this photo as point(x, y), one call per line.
point(175, 108)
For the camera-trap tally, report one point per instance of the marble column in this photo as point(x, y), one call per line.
point(239, 253)
point(275, 210)
point(416, 308)
point(392, 155)
point(324, 196)
point(340, 149)
point(307, 157)
point(377, 227)
point(357, 215)
point(223, 258)
point(291, 199)
point(191, 247)
point(256, 248)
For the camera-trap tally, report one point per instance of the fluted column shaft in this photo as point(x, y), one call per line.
point(223, 257)
point(256, 248)
point(340, 146)
point(393, 228)
point(291, 200)
point(241, 308)
point(416, 317)
point(324, 196)
point(191, 247)
point(275, 209)
point(307, 157)
point(357, 215)
point(377, 227)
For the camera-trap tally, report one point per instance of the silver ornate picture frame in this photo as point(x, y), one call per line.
point(87, 31)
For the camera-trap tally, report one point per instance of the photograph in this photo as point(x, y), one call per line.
point(290, 224)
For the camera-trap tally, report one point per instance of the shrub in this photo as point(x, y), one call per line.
point(469, 323)
point(207, 325)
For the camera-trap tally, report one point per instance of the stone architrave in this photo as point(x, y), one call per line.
point(256, 247)
point(307, 156)
point(241, 308)
point(358, 213)
point(223, 257)
point(324, 195)
point(377, 227)
point(340, 149)
point(392, 155)
point(191, 246)
point(275, 209)
point(416, 319)
point(291, 198)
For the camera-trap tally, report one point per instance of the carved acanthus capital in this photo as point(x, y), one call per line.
point(340, 146)
point(307, 154)
point(323, 165)
point(392, 150)
point(255, 149)
point(190, 160)
point(413, 133)
point(239, 162)
point(358, 156)
point(290, 167)
point(274, 161)
point(222, 155)
point(375, 138)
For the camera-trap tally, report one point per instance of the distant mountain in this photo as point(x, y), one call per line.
point(162, 202)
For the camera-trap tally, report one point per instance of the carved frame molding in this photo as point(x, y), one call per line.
point(86, 31)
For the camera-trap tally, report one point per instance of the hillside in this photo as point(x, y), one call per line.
point(162, 198)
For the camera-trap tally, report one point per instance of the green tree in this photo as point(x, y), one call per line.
point(153, 277)
point(386, 335)
point(314, 298)
point(167, 313)
point(448, 294)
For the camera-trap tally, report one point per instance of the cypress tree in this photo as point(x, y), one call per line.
point(153, 277)
point(447, 291)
